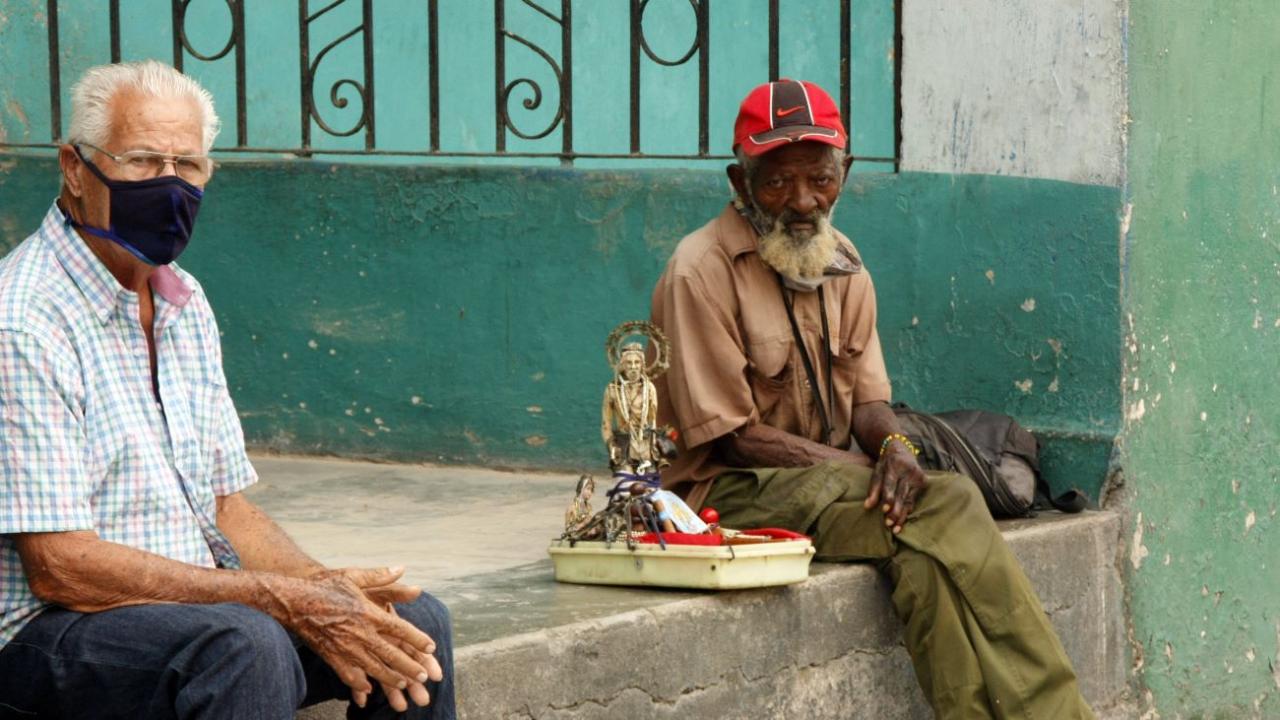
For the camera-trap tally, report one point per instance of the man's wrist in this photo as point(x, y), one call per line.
point(899, 440)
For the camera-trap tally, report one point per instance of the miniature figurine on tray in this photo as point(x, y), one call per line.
point(637, 448)
point(626, 542)
point(579, 511)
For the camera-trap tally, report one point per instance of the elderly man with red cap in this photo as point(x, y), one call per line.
point(778, 386)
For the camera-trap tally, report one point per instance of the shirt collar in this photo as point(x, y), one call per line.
point(99, 287)
point(736, 234)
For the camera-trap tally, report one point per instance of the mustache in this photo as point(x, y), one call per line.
point(789, 216)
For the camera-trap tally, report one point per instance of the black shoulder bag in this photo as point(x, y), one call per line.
point(1000, 455)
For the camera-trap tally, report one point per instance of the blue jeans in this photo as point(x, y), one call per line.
point(189, 661)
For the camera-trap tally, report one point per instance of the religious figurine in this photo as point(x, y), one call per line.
point(638, 449)
point(579, 511)
point(629, 415)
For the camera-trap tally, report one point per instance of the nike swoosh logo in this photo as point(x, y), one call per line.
point(788, 111)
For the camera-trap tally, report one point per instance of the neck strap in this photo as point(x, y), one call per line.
point(825, 408)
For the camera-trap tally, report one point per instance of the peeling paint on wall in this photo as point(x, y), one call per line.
point(1037, 102)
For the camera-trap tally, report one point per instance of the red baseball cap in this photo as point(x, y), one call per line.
point(786, 111)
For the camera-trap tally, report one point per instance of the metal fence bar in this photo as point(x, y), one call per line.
point(367, 96)
point(433, 72)
point(55, 73)
point(242, 101)
point(500, 74)
point(773, 40)
point(114, 24)
point(566, 81)
point(483, 154)
point(897, 85)
point(637, 34)
point(178, 16)
point(846, 47)
point(304, 82)
point(704, 82)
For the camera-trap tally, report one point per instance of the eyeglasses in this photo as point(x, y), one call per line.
point(145, 164)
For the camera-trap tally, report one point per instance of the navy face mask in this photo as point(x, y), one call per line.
point(152, 219)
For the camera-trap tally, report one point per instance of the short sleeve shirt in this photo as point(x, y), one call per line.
point(85, 443)
point(734, 359)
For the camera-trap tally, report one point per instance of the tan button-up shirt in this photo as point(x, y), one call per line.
point(734, 360)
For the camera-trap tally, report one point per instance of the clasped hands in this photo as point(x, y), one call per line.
point(345, 615)
point(896, 483)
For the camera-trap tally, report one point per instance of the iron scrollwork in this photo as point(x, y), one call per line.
point(699, 47)
point(182, 46)
point(534, 99)
point(693, 47)
point(356, 83)
point(363, 90)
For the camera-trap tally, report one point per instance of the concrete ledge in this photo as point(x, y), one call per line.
point(829, 648)
point(531, 648)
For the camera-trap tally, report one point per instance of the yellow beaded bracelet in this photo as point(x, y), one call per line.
point(884, 445)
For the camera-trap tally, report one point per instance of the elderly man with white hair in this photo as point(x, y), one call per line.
point(135, 578)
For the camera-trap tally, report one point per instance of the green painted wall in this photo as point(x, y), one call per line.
point(458, 314)
point(1202, 304)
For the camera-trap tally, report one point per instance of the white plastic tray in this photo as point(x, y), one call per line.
point(718, 567)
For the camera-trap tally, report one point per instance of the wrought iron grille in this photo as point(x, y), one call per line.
point(360, 88)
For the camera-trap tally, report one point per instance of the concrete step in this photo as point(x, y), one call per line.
point(528, 647)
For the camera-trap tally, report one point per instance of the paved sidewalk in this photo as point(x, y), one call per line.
point(441, 523)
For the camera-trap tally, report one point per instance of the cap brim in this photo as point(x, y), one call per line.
point(761, 143)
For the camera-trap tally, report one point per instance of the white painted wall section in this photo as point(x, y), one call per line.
point(1033, 88)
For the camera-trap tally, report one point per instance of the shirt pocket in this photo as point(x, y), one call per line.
point(771, 375)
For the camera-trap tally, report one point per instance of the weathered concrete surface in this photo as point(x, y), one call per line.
point(829, 648)
point(529, 647)
point(1014, 88)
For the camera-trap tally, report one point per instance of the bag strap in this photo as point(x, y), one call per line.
point(826, 409)
point(1071, 501)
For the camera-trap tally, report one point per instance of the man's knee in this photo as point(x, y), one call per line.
point(956, 491)
point(242, 648)
point(430, 616)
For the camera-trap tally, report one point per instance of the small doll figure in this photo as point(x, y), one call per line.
point(579, 511)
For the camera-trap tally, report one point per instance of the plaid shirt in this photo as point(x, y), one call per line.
point(84, 444)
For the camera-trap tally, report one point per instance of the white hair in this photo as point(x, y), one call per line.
point(91, 98)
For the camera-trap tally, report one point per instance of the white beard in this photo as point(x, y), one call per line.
point(800, 258)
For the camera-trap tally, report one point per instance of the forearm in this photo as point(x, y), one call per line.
point(764, 446)
point(82, 572)
point(262, 544)
point(872, 423)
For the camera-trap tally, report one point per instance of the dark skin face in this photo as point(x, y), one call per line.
point(794, 182)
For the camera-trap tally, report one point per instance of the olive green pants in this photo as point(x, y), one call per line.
point(980, 642)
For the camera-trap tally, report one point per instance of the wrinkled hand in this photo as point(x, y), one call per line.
point(381, 585)
point(416, 691)
point(896, 482)
point(358, 638)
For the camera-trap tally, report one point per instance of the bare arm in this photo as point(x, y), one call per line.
point(764, 446)
point(80, 571)
point(872, 423)
point(898, 479)
point(260, 542)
